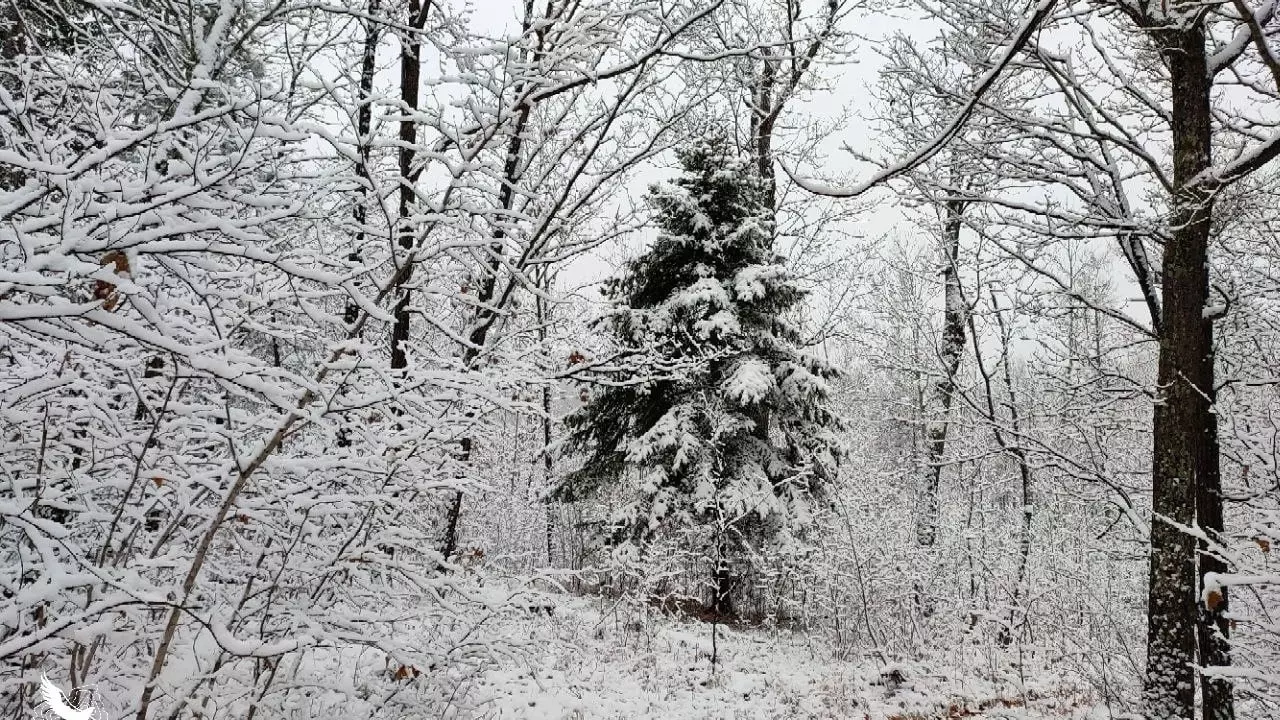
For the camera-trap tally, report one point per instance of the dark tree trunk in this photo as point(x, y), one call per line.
point(1214, 631)
point(1184, 458)
point(410, 79)
point(549, 506)
point(486, 314)
point(364, 116)
point(763, 118)
point(722, 604)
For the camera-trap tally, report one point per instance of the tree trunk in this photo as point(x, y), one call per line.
point(950, 352)
point(359, 210)
point(1214, 631)
point(722, 603)
point(364, 116)
point(763, 117)
point(486, 314)
point(410, 79)
point(1183, 427)
point(549, 506)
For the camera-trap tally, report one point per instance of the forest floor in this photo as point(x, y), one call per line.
point(591, 659)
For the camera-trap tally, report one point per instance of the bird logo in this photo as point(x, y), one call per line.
point(58, 704)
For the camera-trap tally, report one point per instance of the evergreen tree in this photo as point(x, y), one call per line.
point(720, 424)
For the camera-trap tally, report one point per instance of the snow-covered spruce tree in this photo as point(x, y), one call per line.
point(718, 430)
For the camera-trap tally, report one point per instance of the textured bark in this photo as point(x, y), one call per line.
point(364, 117)
point(950, 352)
point(1214, 630)
point(410, 80)
point(1183, 426)
point(359, 210)
point(779, 80)
point(549, 506)
point(764, 115)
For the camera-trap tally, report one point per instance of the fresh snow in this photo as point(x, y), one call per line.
point(604, 658)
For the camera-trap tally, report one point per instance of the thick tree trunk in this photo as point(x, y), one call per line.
point(1184, 446)
point(950, 351)
point(764, 115)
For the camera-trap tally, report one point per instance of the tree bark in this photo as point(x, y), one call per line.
point(1184, 452)
point(410, 80)
point(364, 118)
point(359, 210)
point(950, 351)
point(1214, 630)
point(549, 506)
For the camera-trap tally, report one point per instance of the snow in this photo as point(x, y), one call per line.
point(750, 381)
point(752, 283)
point(707, 291)
point(604, 658)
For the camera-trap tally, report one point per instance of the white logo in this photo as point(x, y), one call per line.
point(58, 704)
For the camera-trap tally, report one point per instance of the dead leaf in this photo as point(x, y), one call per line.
point(106, 291)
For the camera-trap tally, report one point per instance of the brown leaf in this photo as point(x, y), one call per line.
point(1263, 543)
point(159, 481)
point(1213, 600)
point(119, 260)
point(105, 291)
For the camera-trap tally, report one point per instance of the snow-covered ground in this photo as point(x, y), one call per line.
point(593, 658)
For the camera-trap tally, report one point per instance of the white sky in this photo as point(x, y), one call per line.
point(849, 97)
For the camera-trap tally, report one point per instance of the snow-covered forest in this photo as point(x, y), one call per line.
point(870, 359)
